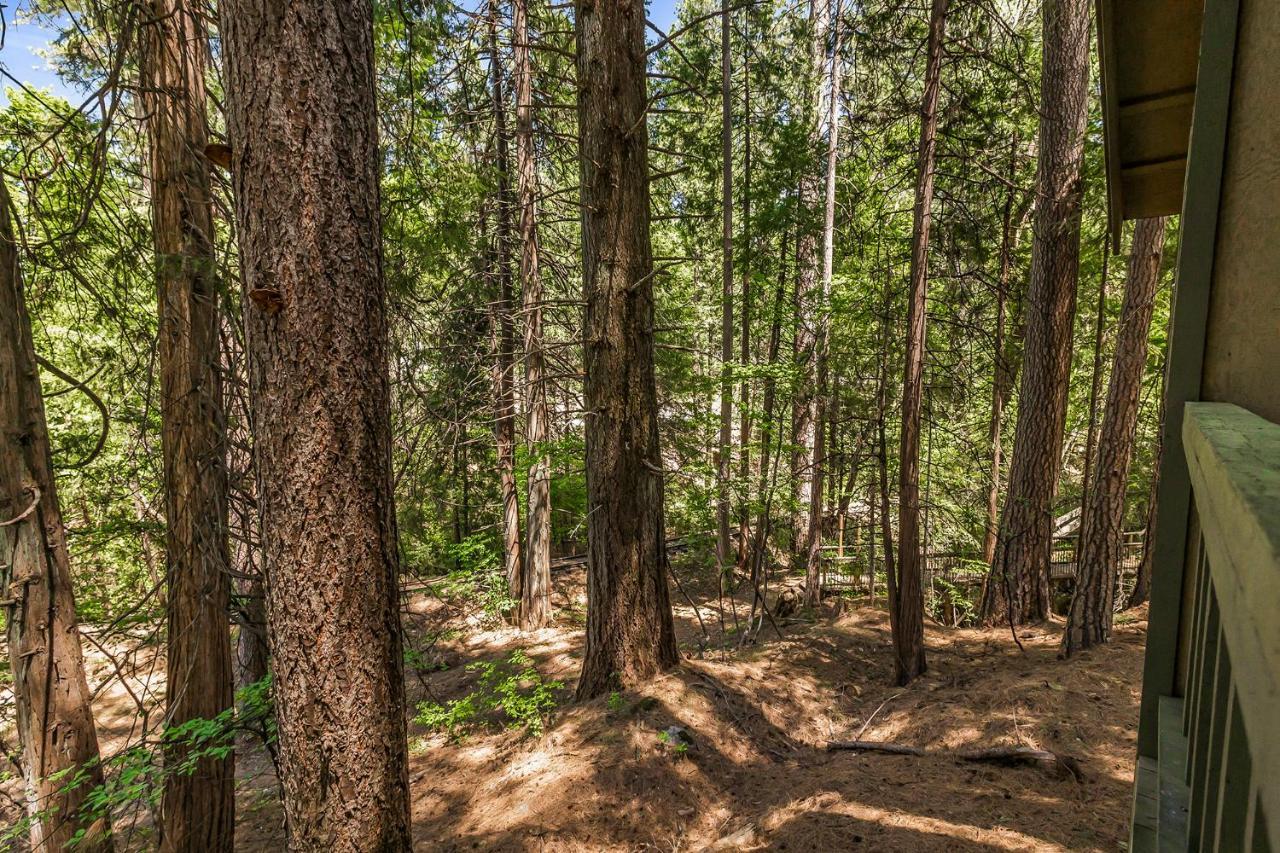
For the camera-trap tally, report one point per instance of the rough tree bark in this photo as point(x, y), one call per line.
point(198, 809)
point(305, 171)
point(535, 602)
point(804, 395)
point(1018, 585)
point(1102, 525)
point(907, 617)
point(54, 718)
point(502, 326)
point(630, 634)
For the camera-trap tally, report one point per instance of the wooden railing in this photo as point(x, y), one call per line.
point(1216, 782)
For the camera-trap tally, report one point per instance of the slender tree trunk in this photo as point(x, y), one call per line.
point(249, 605)
point(1095, 389)
point(198, 809)
point(805, 396)
point(535, 602)
point(908, 615)
point(503, 327)
point(1142, 582)
point(1002, 379)
point(818, 461)
point(1102, 526)
point(882, 411)
point(54, 718)
point(724, 559)
point(630, 634)
point(305, 167)
point(1018, 585)
point(744, 399)
point(768, 406)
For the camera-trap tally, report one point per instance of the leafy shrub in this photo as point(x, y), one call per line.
point(477, 575)
point(512, 688)
point(136, 776)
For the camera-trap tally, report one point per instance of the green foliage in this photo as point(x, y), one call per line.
point(136, 776)
point(952, 605)
point(511, 689)
point(477, 575)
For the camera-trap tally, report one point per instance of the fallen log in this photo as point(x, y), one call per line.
point(1017, 756)
point(875, 746)
point(1024, 755)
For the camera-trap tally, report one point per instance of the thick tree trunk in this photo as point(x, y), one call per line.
point(1102, 525)
point(305, 168)
point(1018, 585)
point(503, 327)
point(804, 400)
point(198, 809)
point(630, 634)
point(724, 557)
point(908, 616)
point(535, 602)
point(813, 535)
point(54, 718)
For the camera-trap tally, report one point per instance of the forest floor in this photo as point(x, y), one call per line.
point(756, 774)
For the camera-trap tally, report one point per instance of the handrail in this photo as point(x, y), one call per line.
point(1233, 457)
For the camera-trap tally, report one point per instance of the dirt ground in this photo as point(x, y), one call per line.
point(756, 775)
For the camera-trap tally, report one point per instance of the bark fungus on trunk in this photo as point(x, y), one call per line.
point(1102, 525)
point(197, 811)
point(54, 719)
point(1018, 584)
point(630, 634)
point(535, 601)
point(907, 616)
point(301, 115)
point(502, 326)
point(804, 398)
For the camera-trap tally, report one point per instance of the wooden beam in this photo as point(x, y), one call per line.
point(1186, 354)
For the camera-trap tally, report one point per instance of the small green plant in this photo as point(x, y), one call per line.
point(477, 575)
point(616, 703)
point(136, 776)
point(513, 689)
point(952, 606)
